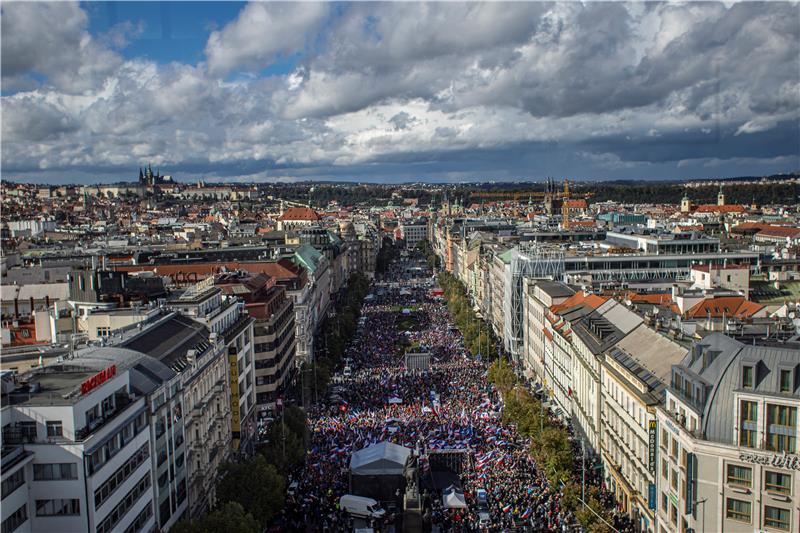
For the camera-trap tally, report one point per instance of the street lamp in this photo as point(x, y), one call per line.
point(696, 503)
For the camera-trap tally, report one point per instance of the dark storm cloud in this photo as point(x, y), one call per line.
point(398, 90)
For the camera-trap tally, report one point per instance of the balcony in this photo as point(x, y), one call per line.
point(237, 327)
point(121, 402)
point(13, 455)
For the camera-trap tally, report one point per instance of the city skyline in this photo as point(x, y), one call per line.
point(399, 92)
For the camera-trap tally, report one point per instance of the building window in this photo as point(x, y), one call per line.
point(781, 428)
point(673, 514)
point(664, 468)
point(748, 373)
point(739, 475)
point(55, 471)
point(738, 510)
point(120, 475)
point(748, 419)
point(19, 517)
point(13, 482)
point(27, 430)
point(59, 507)
point(674, 450)
point(674, 480)
point(786, 381)
point(776, 518)
point(141, 519)
point(664, 502)
point(116, 514)
point(777, 482)
point(54, 428)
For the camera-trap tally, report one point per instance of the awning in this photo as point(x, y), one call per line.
point(453, 498)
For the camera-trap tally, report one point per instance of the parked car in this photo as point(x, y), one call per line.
point(361, 506)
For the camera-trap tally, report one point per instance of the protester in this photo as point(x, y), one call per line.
point(448, 406)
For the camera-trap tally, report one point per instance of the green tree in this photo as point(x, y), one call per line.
point(501, 376)
point(590, 520)
point(256, 485)
point(295, 419)
point(285, 449)
point(230, 517)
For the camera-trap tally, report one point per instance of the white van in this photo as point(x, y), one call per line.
point(361, 506)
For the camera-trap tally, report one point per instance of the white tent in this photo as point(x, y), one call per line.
point(395, 399)
point(383, 458)
point(453, 498)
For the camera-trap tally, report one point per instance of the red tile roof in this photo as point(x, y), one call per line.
point(282, 269)
point(780, 231)
point(575, 203)
point(664, 298)
point(579, 298)
point(299, 213)
point(714, 208)
point(729, 306)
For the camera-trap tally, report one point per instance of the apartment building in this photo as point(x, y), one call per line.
point(558, 348)
point(591, 335)
point(273, 334)
point(498, 272)
point(727, 439)
point(538, 296)
point(414, 231)
point(370, 241)
point(76, 449)
point(199, 357)
point(634, 373)
point(228, 325)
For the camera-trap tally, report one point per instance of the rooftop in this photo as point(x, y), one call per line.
point(170, 340)
point(300, 213)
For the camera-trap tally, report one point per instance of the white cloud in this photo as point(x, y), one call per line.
point(262, 32)
point(50, 39)
point(619, 85)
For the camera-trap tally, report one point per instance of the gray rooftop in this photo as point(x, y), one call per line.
point(555, 289)
point(720, 370)
point(170, 340)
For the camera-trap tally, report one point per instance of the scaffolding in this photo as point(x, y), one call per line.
point(528, 260)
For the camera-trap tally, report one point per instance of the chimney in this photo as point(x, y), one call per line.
point(16, 308)
point(32, 303)
point(47, 301)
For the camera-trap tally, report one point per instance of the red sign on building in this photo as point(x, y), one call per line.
point(98, 379)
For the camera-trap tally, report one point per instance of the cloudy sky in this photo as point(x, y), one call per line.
point(399, 91)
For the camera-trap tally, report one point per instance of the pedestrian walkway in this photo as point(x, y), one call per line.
point(449, 406)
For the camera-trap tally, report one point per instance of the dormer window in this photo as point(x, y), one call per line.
point(748, 376)
point(786, 381)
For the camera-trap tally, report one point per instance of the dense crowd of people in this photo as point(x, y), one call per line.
point(447, 406)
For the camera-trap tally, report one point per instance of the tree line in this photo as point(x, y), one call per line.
point(424, 246)
point(251, 493)
point(550, 447)
point(477, 333)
